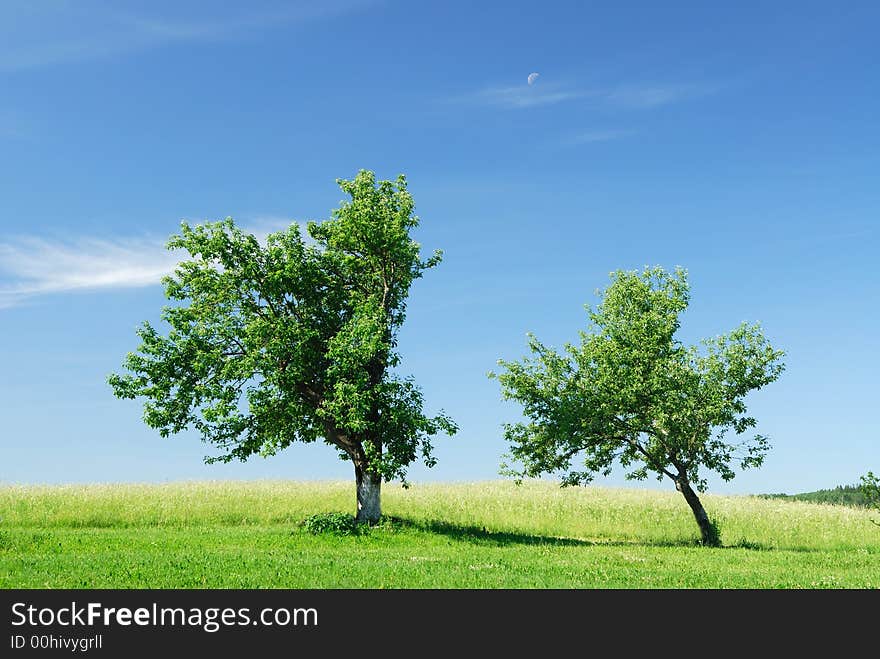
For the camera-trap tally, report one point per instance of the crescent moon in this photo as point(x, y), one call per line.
point(532, 77)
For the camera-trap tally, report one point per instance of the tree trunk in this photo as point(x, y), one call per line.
point(369, 489)
point(707, 530)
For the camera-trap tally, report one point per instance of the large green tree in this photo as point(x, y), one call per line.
point(294, 341)
point(632, 393)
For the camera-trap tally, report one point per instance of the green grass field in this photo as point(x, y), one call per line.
point(477, 535)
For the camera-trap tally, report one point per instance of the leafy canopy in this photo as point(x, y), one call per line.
point(293, 340)
point(870, 488)
point(632, 392)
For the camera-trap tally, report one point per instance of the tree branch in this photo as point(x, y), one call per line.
point(649, 458)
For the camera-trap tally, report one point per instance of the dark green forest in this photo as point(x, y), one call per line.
point(842, 495)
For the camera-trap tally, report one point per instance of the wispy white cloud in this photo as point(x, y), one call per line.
point(590, 137)
point(645, 96)
point(262, 225)
point(31, 266)
point(623, 96)
point(221, 28)
point(522, 96)
point(36, 266)
point(64, 32)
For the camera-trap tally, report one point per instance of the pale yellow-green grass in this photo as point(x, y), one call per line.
point(537, 508)
point(468, 535)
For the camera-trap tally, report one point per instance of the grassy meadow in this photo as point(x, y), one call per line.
point(475, 535)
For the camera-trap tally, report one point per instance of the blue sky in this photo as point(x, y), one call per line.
point(738, 140)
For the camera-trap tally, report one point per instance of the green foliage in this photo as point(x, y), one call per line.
point(870, 487)
point(632, 392)
point(294, 340)
point(335, 523)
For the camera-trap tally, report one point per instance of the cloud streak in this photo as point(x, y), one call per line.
point(591, 137)
point(32, 266)
point(624, 96)
point(80, 32)
point(648, 96)
point(524, 96)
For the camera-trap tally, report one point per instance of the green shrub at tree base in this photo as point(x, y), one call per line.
point(336, 523)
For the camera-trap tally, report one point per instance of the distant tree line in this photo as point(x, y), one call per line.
point(842, 495)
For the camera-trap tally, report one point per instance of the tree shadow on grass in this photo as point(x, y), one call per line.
point(480, 535)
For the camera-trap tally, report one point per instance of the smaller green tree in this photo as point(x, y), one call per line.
point(870, 487)
point(632, 393)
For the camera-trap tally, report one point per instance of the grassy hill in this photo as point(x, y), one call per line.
point(477, 535)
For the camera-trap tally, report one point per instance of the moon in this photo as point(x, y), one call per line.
point(532, 77)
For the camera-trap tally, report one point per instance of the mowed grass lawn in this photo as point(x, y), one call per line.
point(475, 535)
